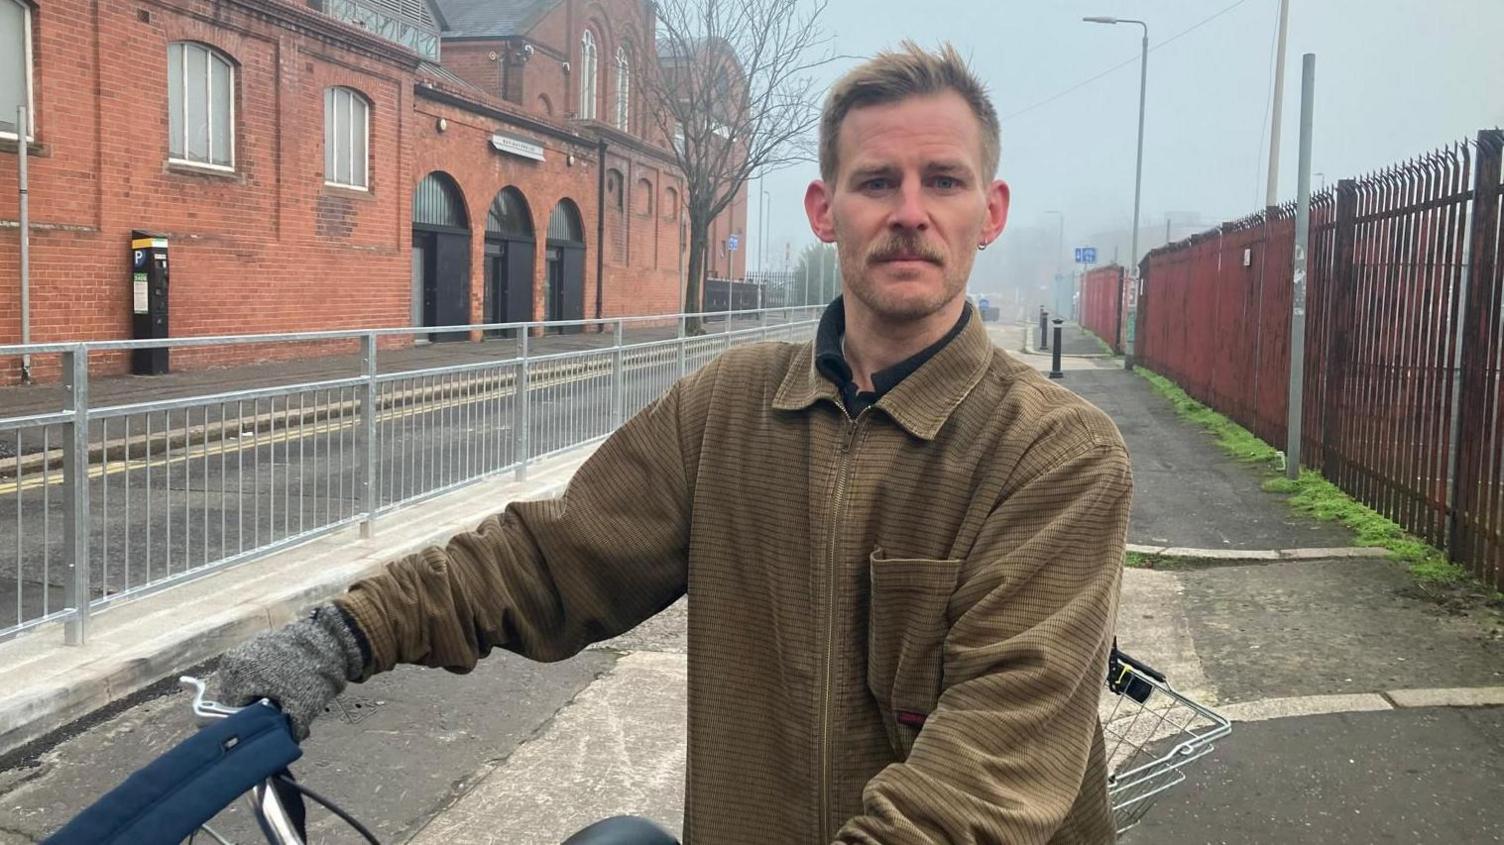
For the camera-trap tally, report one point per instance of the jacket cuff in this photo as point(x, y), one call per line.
point(349, 608)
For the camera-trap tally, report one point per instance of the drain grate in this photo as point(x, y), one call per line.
point(354, 709)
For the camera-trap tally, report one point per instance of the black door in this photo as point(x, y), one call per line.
point(574, 284)
point(451, 284)
point(519, 260)
point(497, 304)
point(423, 255)
point(509, 283)
point(555, 292)
point(566, 285)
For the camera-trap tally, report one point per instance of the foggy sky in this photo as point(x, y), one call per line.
point(1394, 78)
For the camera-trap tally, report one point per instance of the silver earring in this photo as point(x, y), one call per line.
point(981, 246)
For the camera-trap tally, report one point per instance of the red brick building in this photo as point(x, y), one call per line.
point(327, 164)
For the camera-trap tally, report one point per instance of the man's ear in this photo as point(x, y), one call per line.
point(817, 202)
point(998, 197)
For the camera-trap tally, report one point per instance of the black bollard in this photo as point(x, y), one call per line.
point(1044, 330)
point(1055, 371)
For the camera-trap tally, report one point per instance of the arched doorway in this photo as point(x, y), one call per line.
point(441, 256)
point(564, 283)
point(509, 260)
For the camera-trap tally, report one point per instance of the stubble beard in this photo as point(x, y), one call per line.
point(887, 305)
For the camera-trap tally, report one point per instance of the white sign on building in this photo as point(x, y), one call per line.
point(517, 147)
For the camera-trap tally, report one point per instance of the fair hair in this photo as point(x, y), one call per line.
point(894, 75)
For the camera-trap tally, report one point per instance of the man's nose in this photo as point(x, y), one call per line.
point(910, 213)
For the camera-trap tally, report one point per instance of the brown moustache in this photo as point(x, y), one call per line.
point(896, 245)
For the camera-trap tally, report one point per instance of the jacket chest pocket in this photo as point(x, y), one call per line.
point(906, 628)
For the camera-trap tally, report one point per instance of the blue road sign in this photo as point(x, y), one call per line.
point(732, 243)
point(1086, 255)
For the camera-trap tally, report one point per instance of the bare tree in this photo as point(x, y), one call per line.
point(734, 95)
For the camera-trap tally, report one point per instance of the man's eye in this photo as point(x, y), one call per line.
point(946, 183)
point(878, 184)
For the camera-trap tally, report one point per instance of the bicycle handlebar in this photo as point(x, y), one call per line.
point(271, 814)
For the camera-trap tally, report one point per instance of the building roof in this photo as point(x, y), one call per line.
point(490, 18)
point(439, 73)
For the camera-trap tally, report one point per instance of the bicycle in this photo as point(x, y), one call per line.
point(1154, 733)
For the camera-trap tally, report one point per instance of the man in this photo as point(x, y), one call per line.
point(901, 547)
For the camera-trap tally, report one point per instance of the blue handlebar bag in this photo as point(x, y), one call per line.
point(172, 796)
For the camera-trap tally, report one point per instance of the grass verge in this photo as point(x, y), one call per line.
point(1233, 438)
point(1314, 495)
point(1106, 347)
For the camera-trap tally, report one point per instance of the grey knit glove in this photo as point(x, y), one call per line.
point(302, 667)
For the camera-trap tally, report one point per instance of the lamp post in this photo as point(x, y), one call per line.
point(1059, 250)
point(1138, 180)
point(762, 227)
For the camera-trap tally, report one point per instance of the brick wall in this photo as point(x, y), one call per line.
point(471, 61)
point(269, 247)
point(253, 250)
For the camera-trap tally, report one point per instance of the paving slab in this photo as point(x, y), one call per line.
point(1400, 776)
point(1345, 626)
point(618, 749)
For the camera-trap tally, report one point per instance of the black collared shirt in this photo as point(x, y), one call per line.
point(831, 361)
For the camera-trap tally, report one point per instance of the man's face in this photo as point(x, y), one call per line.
point(909, 204)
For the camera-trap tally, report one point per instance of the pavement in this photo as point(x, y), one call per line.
point(1364, 709)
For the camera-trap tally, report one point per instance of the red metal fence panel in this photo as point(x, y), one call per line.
point(1479, 511)
point(1386, 358)
point(1391, 415)
point(1217, 318)
point(1320, 265)
point(1102, 307)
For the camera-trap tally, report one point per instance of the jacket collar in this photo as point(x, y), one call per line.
point(922, 402)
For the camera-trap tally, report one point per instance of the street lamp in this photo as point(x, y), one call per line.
point(762, 227)
point(1059, 250)
point(1138, 177)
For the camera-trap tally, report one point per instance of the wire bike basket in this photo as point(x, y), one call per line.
point(1152, 733)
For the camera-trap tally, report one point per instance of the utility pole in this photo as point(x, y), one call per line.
point(23, 123)
point(1271, 196)
point(1298, 289)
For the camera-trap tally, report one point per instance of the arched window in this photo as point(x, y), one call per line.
point(613, 189)
point(623, 89)
point(564, 223)
point(670, 203)
point(643, 200)
point(587, 75)
point(200, 105)
point(347, 134)
point(509, 216)
point(438, 202)
point(545, 106)
point(15, 71)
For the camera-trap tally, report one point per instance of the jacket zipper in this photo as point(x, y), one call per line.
point(842, 466)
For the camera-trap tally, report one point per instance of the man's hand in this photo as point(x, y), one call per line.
point(302, 667)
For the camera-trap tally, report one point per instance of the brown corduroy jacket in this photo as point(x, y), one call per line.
point(898, 624)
